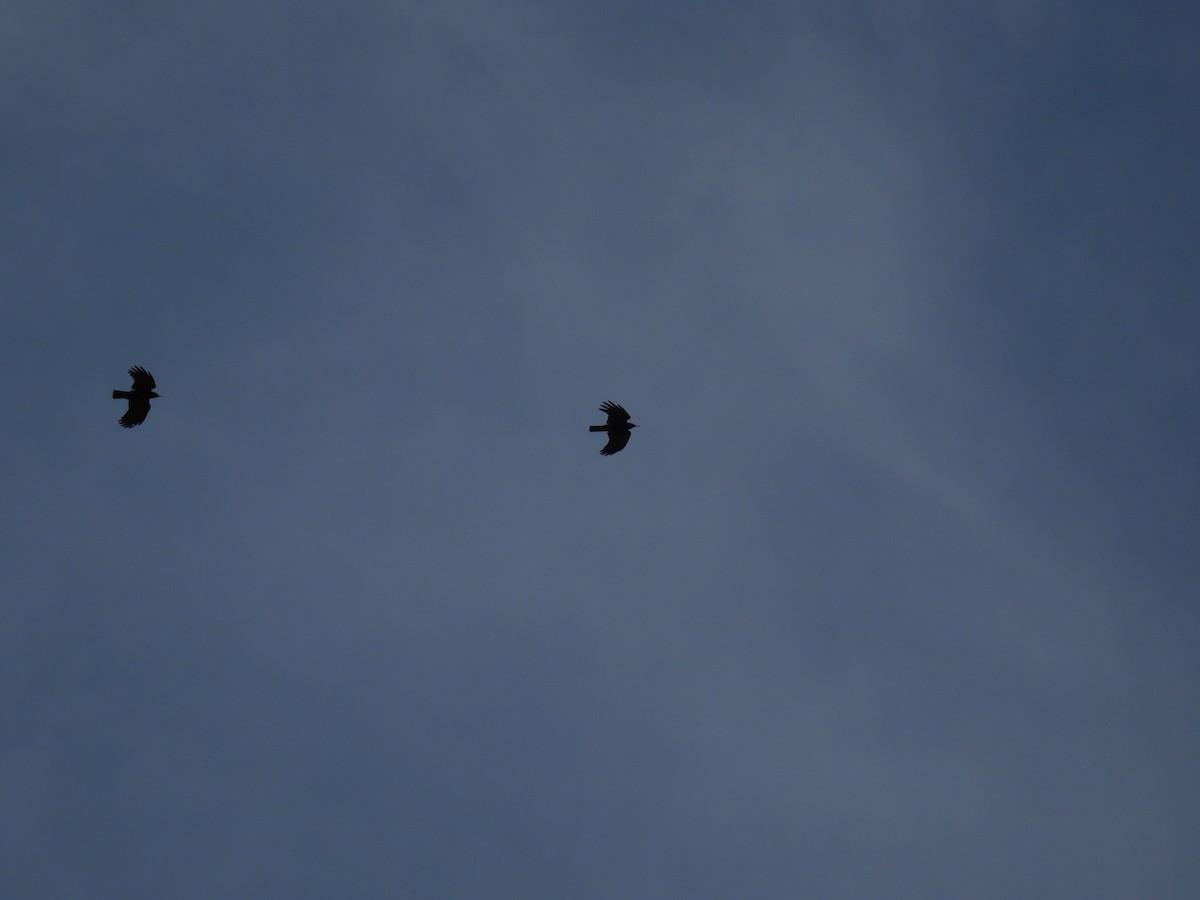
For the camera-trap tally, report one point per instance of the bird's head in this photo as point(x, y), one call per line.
point(633, 425)
point(153, 395)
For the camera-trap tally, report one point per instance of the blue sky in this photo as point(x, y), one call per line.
point(892, 594)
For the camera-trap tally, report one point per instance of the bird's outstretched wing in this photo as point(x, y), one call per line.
point(139, 408)
point(617, 440)
point(142, 381)
point(616, 416)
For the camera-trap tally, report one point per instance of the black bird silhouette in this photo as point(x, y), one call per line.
point(139, 398)
point(619, 428)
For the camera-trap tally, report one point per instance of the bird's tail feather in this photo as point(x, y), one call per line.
point(597, 428)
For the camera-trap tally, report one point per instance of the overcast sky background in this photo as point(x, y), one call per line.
point(893, 594)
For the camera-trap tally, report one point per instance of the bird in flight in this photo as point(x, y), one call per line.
point(139, 398)
point(619, 428)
